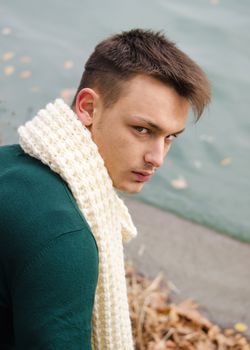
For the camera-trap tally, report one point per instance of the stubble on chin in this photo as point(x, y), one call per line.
point(129, 189)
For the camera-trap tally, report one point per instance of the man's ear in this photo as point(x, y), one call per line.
point(84, 107)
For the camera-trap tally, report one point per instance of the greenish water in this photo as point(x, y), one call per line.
point(43, 47)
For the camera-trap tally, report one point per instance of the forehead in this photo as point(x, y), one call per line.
point(150, 99)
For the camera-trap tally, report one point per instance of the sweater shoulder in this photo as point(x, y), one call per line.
point(36, 205)
point(30, 189)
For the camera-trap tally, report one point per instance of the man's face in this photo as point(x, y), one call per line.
point(134, 134)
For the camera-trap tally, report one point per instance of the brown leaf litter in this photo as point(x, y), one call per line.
point(159, 324)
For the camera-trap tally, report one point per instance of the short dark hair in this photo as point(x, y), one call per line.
point(122, 56)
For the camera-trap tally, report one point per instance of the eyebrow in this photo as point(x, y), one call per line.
point(156, 127)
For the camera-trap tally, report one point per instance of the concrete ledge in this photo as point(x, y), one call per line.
point(206, 266)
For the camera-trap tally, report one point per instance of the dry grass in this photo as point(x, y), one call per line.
point(159, 324)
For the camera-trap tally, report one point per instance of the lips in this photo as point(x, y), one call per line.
point(142, 176)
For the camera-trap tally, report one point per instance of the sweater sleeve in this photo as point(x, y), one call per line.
point(53, 296)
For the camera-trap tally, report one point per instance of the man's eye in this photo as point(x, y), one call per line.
point(171, 137)
point(141, 129)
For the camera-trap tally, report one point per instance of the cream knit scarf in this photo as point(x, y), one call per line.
point(57, 138)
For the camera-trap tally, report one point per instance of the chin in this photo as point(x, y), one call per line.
point(130, 188)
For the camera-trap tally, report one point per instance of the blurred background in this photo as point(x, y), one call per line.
point(206, 175)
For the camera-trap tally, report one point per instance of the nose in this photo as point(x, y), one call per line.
point(155, 155)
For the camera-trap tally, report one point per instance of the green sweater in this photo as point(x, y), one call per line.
point(48, 259)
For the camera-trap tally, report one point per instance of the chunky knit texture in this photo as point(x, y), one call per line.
point(57, 138)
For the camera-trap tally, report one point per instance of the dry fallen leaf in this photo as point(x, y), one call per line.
point(68, 64)
point(8, 55)
point(35, 89)
point(8, 70)
point(170, 345)
point(204, 345)
point(179, 183)
point(213, 332)
point(6, 31)
point(188, 309)
point(25, 74)
point(25, 59)
point(67, 94)
point(240, 327)
point(226, 161)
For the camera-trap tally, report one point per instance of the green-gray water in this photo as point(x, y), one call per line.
point(45, 44)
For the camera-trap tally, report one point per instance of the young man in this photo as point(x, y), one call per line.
point(62, 225)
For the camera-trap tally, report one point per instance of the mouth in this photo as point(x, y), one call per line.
point(142, 176)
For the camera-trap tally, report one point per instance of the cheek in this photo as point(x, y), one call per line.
point(127, 150)
point(118, 148)
point(113, 151)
